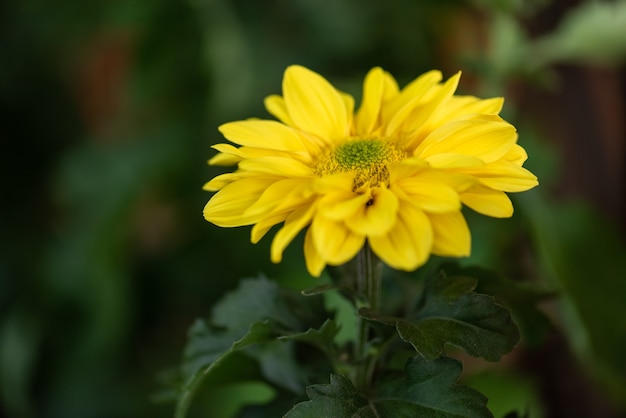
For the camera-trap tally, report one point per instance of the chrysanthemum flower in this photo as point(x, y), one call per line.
point(394, 175)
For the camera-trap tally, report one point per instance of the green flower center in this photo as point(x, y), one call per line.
point(366, 157)
point(361, 154)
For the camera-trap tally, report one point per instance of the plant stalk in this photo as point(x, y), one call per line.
point(369, 274)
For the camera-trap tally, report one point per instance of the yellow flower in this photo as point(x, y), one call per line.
point(394, 174)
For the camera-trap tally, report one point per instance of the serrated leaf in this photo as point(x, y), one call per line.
point(520, 298)
point(428, 390)
point(207, 349)
point(270, 310)
point(451, 313)
point(321, 338)
point(339, 399)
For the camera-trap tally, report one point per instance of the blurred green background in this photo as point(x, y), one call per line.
point(108, 110)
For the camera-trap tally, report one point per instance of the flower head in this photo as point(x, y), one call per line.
point(394, 174)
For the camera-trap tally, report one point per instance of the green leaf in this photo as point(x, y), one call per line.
point(325, 340)
point(339, 399)
point(271, 310)
point(591, 32)
point(280, 365)
point(207, 349)
point(509, 393)
point(521, 298)
point(254, 299)
point(322, 338)
point(450, 312)
point(428, 390)
point(227, 399)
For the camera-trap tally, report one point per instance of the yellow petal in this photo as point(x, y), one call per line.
point(516, 155)
point(314, 105)
point(218, 182)
point(334, 241)
point(226, 149)
point(332, 183)
point(405, 169)
point(414, 92)
point(401, 175)
point(408, 244)
point(391, 89)
point(484, 139)
point(314, 262)
point(504, 176)
point(274, 195)
point(276, 106)
point(449, 161)
point(491, 106)
point(420, 115)
point(341, 204)
point(396, 113)
point(430, 196)
point(462, 106)
point(300, 195)
point(294, 223)
point(488, 202)
point(266, 134)
point(457, 181)
point(373, 88)
point(227, 206)
point(278, 166)
point(452, 235)
point(348, 102)
point(224, 159)
point(243, 153)
point(377, 215)
point(264, 225)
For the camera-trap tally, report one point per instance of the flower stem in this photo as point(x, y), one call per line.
point(369, 273)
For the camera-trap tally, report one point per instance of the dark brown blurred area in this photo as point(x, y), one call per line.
point(585, 116)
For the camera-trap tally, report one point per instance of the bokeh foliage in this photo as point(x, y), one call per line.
point(108, 111)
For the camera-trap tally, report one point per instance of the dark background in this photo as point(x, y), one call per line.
point(107, 113)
